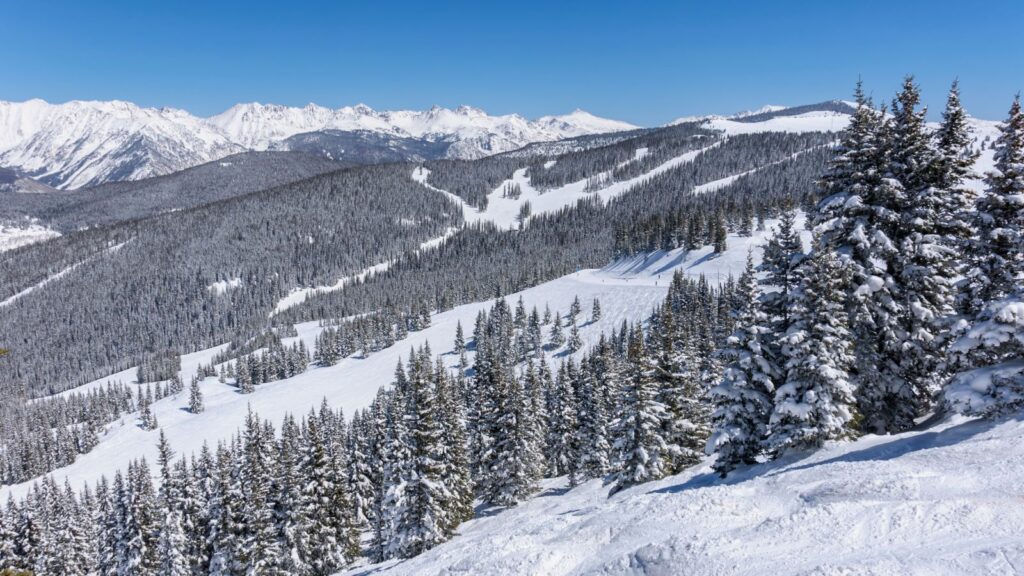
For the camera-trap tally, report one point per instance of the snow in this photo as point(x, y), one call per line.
point(82, 143)
point(628, 289)
point(808, 122)
point(18, 234)
point(222, 286)
point(257, 126)
point(504, 212)
point(945, 500)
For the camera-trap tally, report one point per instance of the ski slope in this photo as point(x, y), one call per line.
point(504, 212)
point(941, 501)
point(628, 289)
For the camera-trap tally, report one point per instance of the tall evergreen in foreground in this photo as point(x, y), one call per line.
point(815, 402)
point(743, 399)
point(993, 336)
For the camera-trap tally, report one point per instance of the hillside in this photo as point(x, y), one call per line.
point(628, 289)
point(943, 500)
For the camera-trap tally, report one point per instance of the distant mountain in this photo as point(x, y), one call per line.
point(469, 132)
point(85, 143)
point(770, 111)
point(79, 144)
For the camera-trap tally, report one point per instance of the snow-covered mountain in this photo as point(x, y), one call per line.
point(471, 132)
point(84, 143)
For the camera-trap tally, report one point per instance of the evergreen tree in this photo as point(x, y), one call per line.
point(815, 403)
point(993, 338)
point(195, 397)
point(641, 448)
point(743, 399)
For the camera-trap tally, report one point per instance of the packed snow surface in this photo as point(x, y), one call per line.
point(941, 500)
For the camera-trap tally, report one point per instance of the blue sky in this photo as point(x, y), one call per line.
point(645, 62)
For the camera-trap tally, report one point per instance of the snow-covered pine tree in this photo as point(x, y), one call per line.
point(560, 446)
point(258, 550)
point(743, 399)
point(592, 417)
point(290, 512)
point(172, 546)
point(816, 402)
point(455, 472)
point(782, 256)
point(195, 397)
point(460, 340)
point(640, 447)
point(993, 338)
point(923, 266)
point(557, 337)
point(327, 554)
point(858, 220)
point(419, 520)
point(595, 311)
point(575, 341)
point(574, 309)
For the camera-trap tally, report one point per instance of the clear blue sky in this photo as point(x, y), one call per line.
point(645, 62)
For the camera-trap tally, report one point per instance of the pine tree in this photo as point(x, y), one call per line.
point(993, 338)
point(171, 546)
point(195, 397)
point(743, 399)
point(595, 312)
point(815, 403)
point(420, 518)
point(923, 266)
point(557, 337)
point(641, 449)
point(561, 447)
point(327, 554)
point(575, 341)
point(782, 256)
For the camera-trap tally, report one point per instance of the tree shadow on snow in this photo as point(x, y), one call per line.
point(883, 450)
point(911, 443)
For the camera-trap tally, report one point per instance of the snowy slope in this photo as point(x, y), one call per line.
point(628, 290)
point(504, 212)
point(946, 500)
point(13, 235)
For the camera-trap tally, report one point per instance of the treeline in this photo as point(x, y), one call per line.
point(48, 433)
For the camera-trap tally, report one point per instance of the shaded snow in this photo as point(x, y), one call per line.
point(946, 500)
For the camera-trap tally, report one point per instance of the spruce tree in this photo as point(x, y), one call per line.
point(641, 448)
point(743, 399)
point(993, 336)
point(195, 397)
point(815, 403)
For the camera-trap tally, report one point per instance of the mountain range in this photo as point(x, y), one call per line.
point(84, 143)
